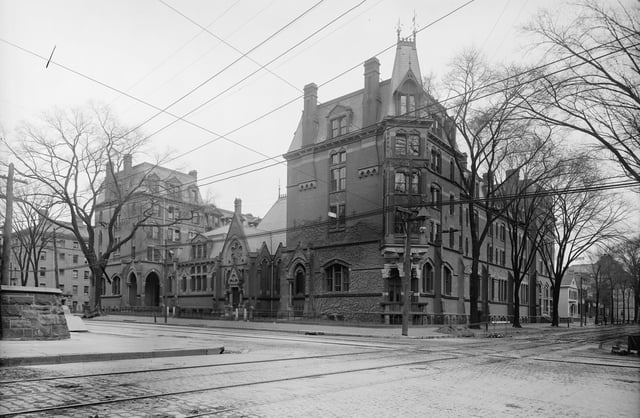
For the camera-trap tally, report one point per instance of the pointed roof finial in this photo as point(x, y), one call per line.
point(413, 23)
point(398, 29)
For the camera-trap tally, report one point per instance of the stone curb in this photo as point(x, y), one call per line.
point(414, 337)
point(89, 357)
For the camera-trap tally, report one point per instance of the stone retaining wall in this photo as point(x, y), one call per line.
point(32, 313)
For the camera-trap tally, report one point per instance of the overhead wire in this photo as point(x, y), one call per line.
point(238, 28)
point(536, 68)
point(200, 106)
point(441, 204)
point(424, 107)
point(240, 58)
point(206, 29)
point(218, 136)
point(177, 50)
point(439, 103)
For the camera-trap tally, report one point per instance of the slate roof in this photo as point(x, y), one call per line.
point(405, 65)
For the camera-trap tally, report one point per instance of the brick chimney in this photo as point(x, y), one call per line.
point(310, 115)
point(126, 159)
point(371, 99)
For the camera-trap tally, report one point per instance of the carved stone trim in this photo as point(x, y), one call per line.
point(308, 185)
point(368, 171)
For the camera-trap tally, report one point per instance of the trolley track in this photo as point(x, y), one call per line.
point(525, 347)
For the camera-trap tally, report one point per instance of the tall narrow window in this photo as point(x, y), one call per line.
point(447, 279)
point(400, 182)
point(401, 145)
point(436, 160)
point(427, 278)
point(436, 196)
point(413, 144)
point(452, 208)
point(415, 182)
point(338, 179)
point(338, 171)
point(338, 213)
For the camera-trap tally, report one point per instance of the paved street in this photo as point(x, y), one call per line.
point(278, 374)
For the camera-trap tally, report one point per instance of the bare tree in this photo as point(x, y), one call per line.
point(599, 270)
point(74, 156)
point(528, 211)
point(583, 217)
point(628, 253)
point(593, 86)
point(486, 112)
point(33, 235)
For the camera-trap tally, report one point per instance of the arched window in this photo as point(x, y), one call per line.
point(337, 278)
point(183, 283)
point(115, 285)
point(276, 279)
point(264, 278)
point(447, 280)
point(299, 281)
point(427, 278)
point(103, 290)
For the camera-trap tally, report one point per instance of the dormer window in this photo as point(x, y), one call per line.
point(407, 104)
point(338, 121)
point(174, 192)
point(338, 126)
point(193, 194)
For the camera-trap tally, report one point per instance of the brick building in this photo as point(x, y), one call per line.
point(355, 163)
point(192, 257)
point(60, 264)
point(137, 273)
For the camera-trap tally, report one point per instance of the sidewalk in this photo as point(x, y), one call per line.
point(100, 345)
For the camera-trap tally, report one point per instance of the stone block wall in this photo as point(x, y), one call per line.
point(32, 313)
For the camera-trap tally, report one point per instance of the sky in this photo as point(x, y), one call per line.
point(133, 55)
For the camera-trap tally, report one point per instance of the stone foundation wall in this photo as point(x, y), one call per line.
point(32, 313)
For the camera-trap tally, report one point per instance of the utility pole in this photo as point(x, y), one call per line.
point(56, 273)
point(6, 233)
point(409, 217)
point(406, 300)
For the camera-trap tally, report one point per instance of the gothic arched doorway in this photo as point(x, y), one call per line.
point(152, 290)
